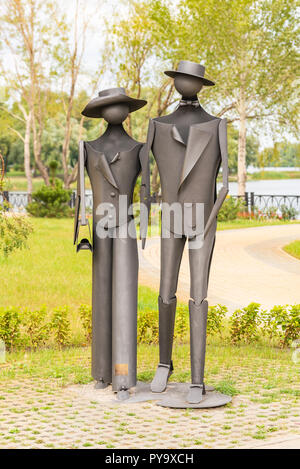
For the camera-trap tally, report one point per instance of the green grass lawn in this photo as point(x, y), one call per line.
point(50, 272)
point(293, 249)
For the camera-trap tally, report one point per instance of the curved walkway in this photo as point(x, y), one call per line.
point(248, 265)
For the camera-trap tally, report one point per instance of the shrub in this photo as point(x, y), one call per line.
point(147, 327)
point(230, 208)
point(288, 213)
point(85, 313)
point(283, 323)
point(244, 324)
point(14, 231)
point(51, 201)
point(10, 327)
point(216, 315)
point(181, 328)
point(271, 321)
point(35, 328)
point(291, 325)
point(60, 326)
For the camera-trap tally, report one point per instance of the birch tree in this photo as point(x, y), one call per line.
point(251, 49)
point(29, 34)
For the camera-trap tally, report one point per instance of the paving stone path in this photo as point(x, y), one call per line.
point(40, 414)
point(248, 265)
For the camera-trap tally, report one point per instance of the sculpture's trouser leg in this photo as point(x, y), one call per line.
point(102, 307)
point(200, 260)
point(171, 254)
point(166, 329)
point(198, 321)
point(124, 312)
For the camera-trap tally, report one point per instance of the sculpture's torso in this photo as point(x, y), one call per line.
point(112, 172)
point(188, 158)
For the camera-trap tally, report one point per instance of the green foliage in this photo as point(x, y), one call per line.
point(181, 328)
point(215, 319)
point(282, 154)
point(85, 313)
point(227, 387)
point(283, 323)
point(230, 208)
point(10, 327)
point(60, 326)
point(14, 232)
point(40, 328)
point(35, 328)
point(288, 213)
point(273, 213)
point(147, 327)
point(244, 324)
point(51, 201)
point(271, 319)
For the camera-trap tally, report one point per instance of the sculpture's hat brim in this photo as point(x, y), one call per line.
point(173, 73)
point(114, 96)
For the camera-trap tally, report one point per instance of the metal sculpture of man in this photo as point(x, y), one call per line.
point(189, 146)
point(113, 162)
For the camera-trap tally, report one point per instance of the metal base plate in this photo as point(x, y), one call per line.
point(177, 399)
point(175, 396)
point(142, 392)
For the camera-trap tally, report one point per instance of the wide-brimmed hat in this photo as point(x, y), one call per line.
point(111, 96)
point(185, 67)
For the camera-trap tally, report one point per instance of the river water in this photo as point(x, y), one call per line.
point(271, 187)
point(268, 186)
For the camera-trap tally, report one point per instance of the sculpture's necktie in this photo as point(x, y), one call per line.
point(188, 102)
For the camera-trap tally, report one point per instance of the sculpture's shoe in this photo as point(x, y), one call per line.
point(195, 394)
point(161, 377)
point(101, 384)
point(123, 394)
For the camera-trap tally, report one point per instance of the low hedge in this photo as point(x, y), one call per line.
point(32, 329)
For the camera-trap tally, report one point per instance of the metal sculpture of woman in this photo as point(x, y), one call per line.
point(113, 162)
point(189, 146)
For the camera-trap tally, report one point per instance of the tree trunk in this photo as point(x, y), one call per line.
point(68, 130)
point(37, 151)
point(242, 167)
point(27, 167)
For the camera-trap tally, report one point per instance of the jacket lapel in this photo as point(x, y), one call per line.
point(103, 166)
point(176, 135)
point(198, 141)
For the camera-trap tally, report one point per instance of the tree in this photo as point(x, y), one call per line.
point(29, 35)
point(281, 154)
point(134, 47)
point(249, 48)
point(252, 145)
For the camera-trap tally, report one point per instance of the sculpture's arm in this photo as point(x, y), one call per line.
point(224, 190)
point(80, 213)
point(145, 195)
